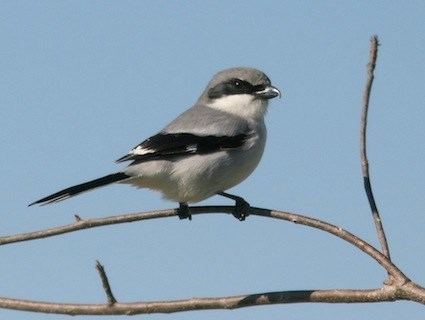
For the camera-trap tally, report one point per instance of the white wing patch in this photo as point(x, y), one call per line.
point(192, 148)
point(139, 150)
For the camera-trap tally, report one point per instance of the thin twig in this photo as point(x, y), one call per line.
point(105, 283)
point(374, 43)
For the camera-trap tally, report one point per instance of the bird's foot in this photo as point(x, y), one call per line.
point(183, 211)
point(241, 209)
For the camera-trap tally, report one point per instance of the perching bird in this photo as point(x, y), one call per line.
point(208, 149)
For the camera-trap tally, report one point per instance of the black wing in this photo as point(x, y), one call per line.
point(168, 145)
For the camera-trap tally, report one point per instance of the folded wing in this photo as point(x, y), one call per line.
point(168, 145)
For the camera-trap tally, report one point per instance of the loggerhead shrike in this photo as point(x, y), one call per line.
point(208, 149)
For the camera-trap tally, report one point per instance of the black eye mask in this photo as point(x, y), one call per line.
point(233, 86)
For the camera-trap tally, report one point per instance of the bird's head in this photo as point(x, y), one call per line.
point(241, 91)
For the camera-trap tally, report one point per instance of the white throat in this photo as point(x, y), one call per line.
point(242, 105)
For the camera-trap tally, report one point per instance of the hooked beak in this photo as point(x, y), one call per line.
point(268, 92)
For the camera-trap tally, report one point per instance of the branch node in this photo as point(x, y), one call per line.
point(105, 283)
point(77, 218)
point(294, 220)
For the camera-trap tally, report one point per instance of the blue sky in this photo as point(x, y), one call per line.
point(81, 82)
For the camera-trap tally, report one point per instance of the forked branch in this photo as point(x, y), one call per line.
point(401, 289)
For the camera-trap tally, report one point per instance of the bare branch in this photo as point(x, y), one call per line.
point(402, 289)
point(408, 291)
point(374, 43)
point(296, 218)
point(105, 283)
point(81, 224)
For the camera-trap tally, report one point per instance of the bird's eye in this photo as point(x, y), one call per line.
point(237, 83)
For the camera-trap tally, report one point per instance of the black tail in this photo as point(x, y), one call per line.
point(79, 188)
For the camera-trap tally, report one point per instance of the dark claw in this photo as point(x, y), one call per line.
point(184, 212)
point(241, 209)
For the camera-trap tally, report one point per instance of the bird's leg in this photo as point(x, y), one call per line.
point(241, 206)
point(183, 211)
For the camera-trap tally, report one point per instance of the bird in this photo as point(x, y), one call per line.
point(209, 148)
